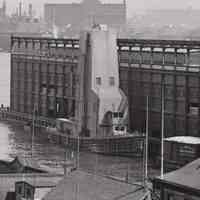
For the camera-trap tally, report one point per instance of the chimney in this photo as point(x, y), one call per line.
point(4, 8)
point(20, 9)
point(125, 9)
point(30, 10)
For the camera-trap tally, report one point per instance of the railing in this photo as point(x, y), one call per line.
point(24, 118)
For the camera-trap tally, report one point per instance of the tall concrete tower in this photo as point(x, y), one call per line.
point(105, 106)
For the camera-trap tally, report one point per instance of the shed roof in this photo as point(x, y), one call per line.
point(85, 186)
point(7, 181)
point(188, 176)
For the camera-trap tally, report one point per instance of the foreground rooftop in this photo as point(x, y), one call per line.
point(84, 186)
point(186, 179)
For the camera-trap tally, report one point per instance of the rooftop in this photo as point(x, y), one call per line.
point(184, 139)
point(85, 186)
point(7, 181)
point(187, 177)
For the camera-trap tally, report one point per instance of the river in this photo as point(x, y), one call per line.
point(15, 141)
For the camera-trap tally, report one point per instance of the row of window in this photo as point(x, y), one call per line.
point(111, 81)
point(148, 77)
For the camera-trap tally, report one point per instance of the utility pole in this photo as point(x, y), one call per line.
point(147, 145)
point(162, 132)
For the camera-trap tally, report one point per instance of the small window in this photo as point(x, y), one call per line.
point(28, 192)
point(194, 109)
point(94, 107)
point(117, 128)
point(170, 197)
point(20, 190)
point(115, 114)
point(122, 128)
point(121, 115)
point(98, 80)
point(111, 81)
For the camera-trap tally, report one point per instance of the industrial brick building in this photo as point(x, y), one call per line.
point(45, 72)
point(84, 14)
point(147, 67)
point(43, 76)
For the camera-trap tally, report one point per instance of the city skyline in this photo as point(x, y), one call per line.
point(132, 5)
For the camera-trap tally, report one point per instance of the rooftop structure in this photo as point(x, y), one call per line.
point(41, 180)
point(180, 184)
point(179, 151)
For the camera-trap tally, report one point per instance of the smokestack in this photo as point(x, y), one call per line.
point(20, 9)
point(125, 8)
point(30, 10)
point(4, 8)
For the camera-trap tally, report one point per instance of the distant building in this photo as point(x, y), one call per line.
point(32, 190)
point(27, 186)
point(179, 151)
point(85, 14)
point(180, 184)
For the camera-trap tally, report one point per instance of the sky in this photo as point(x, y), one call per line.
point(131, 4)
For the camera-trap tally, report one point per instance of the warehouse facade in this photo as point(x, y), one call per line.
point(147, 67)
point(45, 75)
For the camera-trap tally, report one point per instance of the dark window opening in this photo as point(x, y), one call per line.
point(111, 81)
point(121, 115)
point(194, 109)
point(115, 114)
point(28, 193)
point(98, 80)
point(20, 190)
point(122, 128)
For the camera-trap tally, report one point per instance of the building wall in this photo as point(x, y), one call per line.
point(43, 78)
point(146, 74)
point(49, 75)
point(170, 194)
point(24, 190)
